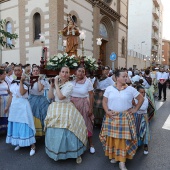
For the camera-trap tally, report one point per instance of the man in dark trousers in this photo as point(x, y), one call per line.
point(162, 78)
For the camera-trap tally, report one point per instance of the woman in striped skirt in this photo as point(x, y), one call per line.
point(66, 132)
point(82, 97)
point(141, 121)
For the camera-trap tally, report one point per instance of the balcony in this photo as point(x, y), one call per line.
point(155, 25)
point(156, 2)
point(155, 13)
point(155, 36)
point(154, 48)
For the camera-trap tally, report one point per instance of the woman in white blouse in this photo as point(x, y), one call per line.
point(3, 101)
point(9, 77)
point(82, 98)
point(66, 132)
point(39, 103)
point(118, 132)
point(100, 85)
point(21, 129)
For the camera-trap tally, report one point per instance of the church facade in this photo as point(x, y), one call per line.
point(106, 19)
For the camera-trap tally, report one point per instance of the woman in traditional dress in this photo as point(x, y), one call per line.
point(149, 89)
point(118, 132)
point(3, 101)
point(9, 77)
point(141, 120)
point(100, 85)
point(83, 98)
point(66, 132)
point(39, 103)
point(21, 130)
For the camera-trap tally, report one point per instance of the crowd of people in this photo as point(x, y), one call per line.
point(65, 111)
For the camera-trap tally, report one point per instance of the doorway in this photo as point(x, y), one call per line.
point(103, 52)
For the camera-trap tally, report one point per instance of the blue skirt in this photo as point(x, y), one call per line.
point(20, 134)
point(39, 106)
point(62, 144)
point(142, 128)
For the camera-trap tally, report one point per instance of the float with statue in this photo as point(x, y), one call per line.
point(51, 66)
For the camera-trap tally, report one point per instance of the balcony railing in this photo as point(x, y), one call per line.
point(155, 13)
point(154, 48)
point(155, 36)
point(156, 2)
point(155, 25)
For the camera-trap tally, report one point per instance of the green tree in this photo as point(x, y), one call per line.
point(4, 35)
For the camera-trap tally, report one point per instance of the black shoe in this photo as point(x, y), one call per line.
point(164, 100)
point(159, 99)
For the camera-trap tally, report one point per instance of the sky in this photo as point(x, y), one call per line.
point(166, 19)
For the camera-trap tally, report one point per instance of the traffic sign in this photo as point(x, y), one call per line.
point(113, 56)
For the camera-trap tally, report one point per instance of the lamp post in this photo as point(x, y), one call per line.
point(145, 62)
point(141, 46)
point(42, 61)
point(99, 43)
point(82, 38)
point(64, 44)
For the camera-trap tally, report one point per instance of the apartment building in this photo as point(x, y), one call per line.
point(106, 19)
point(166, 53)
point(144, 33)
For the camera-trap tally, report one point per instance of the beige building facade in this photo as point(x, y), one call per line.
point(145, 20)
point(106, 19)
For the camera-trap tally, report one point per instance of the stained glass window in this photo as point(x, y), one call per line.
point(103, 30)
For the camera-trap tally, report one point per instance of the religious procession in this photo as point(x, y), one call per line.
point(68, 94)
point(65, 107)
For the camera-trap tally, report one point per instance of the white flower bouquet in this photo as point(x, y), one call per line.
point(58, 61)
point(90, 63)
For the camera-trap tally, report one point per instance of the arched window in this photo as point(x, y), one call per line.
point(37, 25)
point(103, 30)
point(74, 18)
point(9, 29)
point(123, 46)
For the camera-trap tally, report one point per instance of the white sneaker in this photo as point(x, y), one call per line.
point(145, 152)
point(122, 166)
point(79, 160)
point(92, 150)
point(32, 151)
point(113, 161)
point(16, 148)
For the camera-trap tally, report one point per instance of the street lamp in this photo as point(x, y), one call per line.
point(44, 50)
point(99, 41)
point(145, 62)
point(64, 44)
point(141, 45)
point(42, 38)
point(82, 38)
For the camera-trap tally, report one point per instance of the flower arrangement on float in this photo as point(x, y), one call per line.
point(90, 63)
point(58, 61)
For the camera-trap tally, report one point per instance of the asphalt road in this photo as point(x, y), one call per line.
point(157, 159)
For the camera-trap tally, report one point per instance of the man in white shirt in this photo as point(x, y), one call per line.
point(135, 78)
point(162, 78)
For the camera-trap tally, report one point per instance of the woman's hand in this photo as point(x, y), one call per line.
point(57, 79)
point(132, 111)
point(6, 110)
point(22, 79)
point(90, 113)
point(111, 114)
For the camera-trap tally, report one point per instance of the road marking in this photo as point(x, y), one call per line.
point(158, 104)
point(167, 124)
